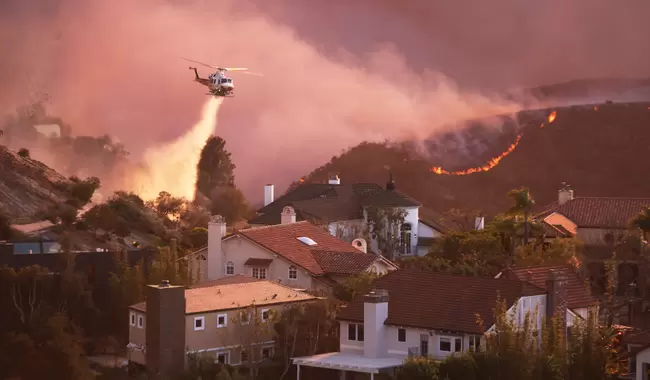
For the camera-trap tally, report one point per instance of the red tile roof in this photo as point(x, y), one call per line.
point(342, 262)
point(441, 301)
point(282, 239)
point(598, 212)
point(577, 291)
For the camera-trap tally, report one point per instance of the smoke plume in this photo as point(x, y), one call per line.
point(114, 67)
point(172, 167)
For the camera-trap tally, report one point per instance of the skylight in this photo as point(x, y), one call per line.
point(306, 240)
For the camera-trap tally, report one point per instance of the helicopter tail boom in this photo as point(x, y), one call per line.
point(196, 73)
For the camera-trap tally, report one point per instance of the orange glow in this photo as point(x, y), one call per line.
point(489, 165)
point(552, 116)
point(595, 108)
point(302, 180)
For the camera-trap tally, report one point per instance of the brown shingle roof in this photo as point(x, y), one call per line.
point(282, 239)
point(342, 263)
point(441, 301)
point(390, 198)
point(597, 212)
point(577, 293)
point(237, 295)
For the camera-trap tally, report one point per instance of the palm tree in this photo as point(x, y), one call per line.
point(524, 203)
point(642, 222)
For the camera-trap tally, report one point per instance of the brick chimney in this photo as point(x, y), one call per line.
point(556, 299)
point(288, 215)
point(375, 313)
point(165, 329)
point(215, 260)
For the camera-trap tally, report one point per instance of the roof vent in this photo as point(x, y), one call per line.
point(164, 284)
point(306, 240)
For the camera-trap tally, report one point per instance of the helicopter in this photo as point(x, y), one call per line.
point(218, 83)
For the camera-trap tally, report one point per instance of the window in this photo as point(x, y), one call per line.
point(243, 356)
point(265, 315)
point(424, 345)
point(355, 332)
point(293, 273)
point(140, 321)
point(401, 335)
point(199, 323)
point(223, 357)
point(230, 268)
point(405, 238)
point(259, 273)
point(267, 353)
point(132, 319)
point(445, 344)
point(458, 344)
point(222, 320)
point(474, 342)
point(244, 317)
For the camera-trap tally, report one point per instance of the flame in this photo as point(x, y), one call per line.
point(302, 180)
point(489, 165)
point(172, 167)
point(595, 108)
point(552, 116)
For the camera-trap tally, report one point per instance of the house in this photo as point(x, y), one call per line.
point(594, 220)
point(341, 208)
point(413, 313)
point(228, 319)
point(579, 300)
point(298, 254)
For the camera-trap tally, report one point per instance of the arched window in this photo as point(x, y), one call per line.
point(230, 268)
point(293, 273)
point(405, 238)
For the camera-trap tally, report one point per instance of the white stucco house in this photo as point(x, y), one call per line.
point(297, 254)
point(342, 209)
point(400, 319)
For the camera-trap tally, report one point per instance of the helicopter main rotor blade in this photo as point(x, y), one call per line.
point(201, 63)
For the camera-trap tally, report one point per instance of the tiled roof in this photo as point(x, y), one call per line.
point(282, 239)
point(440, 301)
point(596, 212)
point(237, 295)
point(256, 262)
point(390, 198)
point(332, 202)
point(235, 279)
point(342, 262)
point(577, 293)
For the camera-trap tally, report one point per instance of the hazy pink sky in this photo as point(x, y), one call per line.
point(336, 72)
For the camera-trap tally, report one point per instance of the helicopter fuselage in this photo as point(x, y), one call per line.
point(218, 83)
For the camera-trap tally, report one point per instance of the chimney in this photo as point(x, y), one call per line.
point(165, 329)
point(375, 312)
point(479, 222)
point(556, 299)
point(268, 194)
point(288, 215)
point(565, 194)
point(335, 180)
point(215, 259)
point(360, 244)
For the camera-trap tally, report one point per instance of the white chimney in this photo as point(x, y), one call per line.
point(215, 260)
point(335, 180)
point(375, 313)
point(288, 215)
point(268, 194)
point(479, 223)
point(360, 244)
point(564, 195)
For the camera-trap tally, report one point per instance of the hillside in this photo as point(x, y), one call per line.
point(600, 150)
point(27, 186)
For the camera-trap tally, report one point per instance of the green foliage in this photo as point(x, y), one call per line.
point(83, 190)
point(384, 226)
point(63, 213)
point(642, 222)
point(23, 152)
point(418, 368)
point(215, 167)
point(122, 213)
point(167, 206)
point(459, 367)
point(196, 237)
point(355, 285)
point(230, 203)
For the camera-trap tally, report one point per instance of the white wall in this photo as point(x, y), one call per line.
point(425, 231)
point(347, 230)
point(412, 218)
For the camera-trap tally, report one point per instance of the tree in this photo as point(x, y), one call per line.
point(524, 203)
point(215, 167)
point(83, 190)
point(354, 286)
point(168, 206)
point(384, 226)
point(23, 152)
point(642, 222)
point(230, 203)
point(418, 368)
